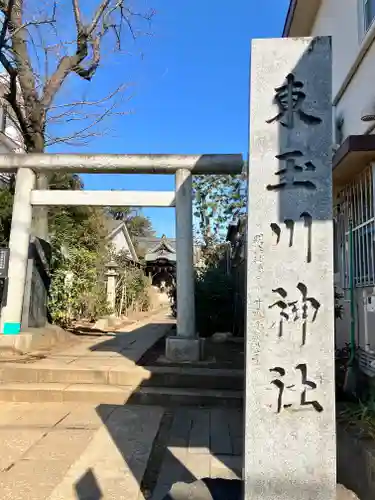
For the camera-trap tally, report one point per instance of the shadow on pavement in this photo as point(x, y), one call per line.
point(160, 445)
point(87, 488)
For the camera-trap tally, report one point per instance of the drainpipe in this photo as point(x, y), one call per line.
point(365, 320)
point(352, 305)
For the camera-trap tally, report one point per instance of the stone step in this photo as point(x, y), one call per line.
point(155, 376)
point(200, 378)
point(107, 394)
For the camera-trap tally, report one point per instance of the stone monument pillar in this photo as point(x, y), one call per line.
point(290, 402)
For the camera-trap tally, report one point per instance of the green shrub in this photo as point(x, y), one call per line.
point(77, 288)
point(132, 290)
point(214, 301)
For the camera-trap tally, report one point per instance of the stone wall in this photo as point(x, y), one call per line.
point(38, 279)
point(356, 463)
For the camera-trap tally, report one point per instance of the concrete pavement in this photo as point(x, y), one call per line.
point(86, 441)
point(57, 451)
point(103, 369)
point(61, 451)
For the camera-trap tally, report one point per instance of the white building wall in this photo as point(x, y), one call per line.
point(119, 242)
point(343, 20)
point(15, 135)
point(342, 24)
point(359, 97)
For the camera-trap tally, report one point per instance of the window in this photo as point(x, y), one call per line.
point(369, 13)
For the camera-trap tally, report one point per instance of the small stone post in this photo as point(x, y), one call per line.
point(290, 448)
point(112, 276)
point(19, 250)
point(185, 346)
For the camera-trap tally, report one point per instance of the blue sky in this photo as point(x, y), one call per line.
point(190, 90)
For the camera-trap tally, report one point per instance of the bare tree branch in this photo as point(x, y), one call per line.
point(77, 15)
point(88, 73)
point(86, 39)
point(33, 90)
point(98, 15)
point(88, 130)
point(31, 23)
point(85, 102)
point(74, 140)
point(73, 63)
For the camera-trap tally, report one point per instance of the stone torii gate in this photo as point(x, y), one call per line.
point(185, 345)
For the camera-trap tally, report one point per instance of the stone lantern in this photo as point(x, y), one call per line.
point(111, 275)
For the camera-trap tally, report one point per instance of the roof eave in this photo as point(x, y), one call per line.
point(353, 156)
point(289, 18)
point(300, 18)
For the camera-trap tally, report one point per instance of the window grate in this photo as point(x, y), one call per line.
point(356, 207)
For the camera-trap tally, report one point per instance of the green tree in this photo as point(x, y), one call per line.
point(6, 207)
point(133, 287)
point(218, 199)
point(79, 250)
point(138, 224)
point(78, 289)
point(78, 236)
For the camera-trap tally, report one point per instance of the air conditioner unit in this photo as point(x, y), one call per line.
point(368, 113)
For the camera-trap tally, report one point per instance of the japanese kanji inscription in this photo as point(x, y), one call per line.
point(289, 98)
point(283, 390)
point(293, 175)
point(290, 226)
point(292, 311)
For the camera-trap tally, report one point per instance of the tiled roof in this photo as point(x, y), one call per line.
point(147, 243)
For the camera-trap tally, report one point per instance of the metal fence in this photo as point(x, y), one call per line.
point(355, 211)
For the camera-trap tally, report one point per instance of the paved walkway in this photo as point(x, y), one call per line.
point(123, 348)
point(201, 443)
point(76, 451)
point(97, 368)
point(59, 451)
